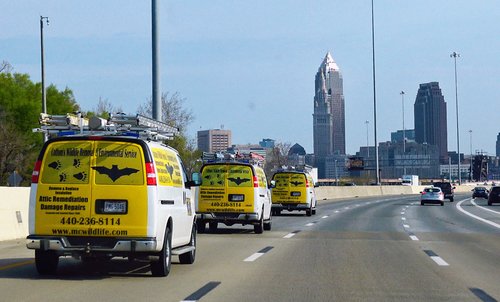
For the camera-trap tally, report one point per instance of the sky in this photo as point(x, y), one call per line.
point(249, 66)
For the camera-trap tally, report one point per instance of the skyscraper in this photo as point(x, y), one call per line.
point(430, 118)
point(329, 113)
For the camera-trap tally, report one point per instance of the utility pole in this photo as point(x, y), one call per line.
point(455, 55)
point(404, 135)
point(377, 172)
point(156, 99)
point(44, 98)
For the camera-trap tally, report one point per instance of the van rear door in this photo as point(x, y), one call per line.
point(92, 188)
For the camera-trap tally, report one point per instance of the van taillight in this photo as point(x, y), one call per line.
point(36, 172)
point(255, 182)
point(150, 174)
point(307, 183)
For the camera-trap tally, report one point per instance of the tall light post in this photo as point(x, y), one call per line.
point(455, 55)
point(367, 142)
point(374, 101)
point(470, 169)
point(402, 93)
point(155, 45)
point(44, 100)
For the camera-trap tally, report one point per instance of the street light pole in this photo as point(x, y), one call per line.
point(455, 55)
point(367, 142)
point(44, 100)
point(374, 101)
point(404, 135)
point(470, 169)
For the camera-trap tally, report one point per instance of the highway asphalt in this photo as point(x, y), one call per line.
point(361, 249)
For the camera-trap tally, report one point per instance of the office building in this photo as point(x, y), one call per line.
point(214, 140)
point(329, 113)
point(498, 144)
point(430, 118)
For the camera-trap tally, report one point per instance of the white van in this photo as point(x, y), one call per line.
point(99, 195)
point(233, 192)
point(293, 191)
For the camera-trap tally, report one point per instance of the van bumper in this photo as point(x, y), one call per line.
point(228, 218)
point(291, 206)
point(65, 245)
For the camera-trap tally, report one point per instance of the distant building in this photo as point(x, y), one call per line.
point(297, 155)
point(498, 144)
point(214, 140)
point(418, 159)
point(430, 118)
point(397, 137)
point(267, 143)
point(248, 148)
point(329, 113)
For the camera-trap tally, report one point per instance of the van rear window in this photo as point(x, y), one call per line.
point(118, 163)
point(285, 180)
point(227, 175)
point(67, 163)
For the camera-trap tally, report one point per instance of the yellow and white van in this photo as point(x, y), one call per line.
point(233, 193)
point(293, 191)
point(106, 196)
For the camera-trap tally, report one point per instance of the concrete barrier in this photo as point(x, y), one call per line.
point(14, 202)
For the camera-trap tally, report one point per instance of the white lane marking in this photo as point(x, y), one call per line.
point(347, 208)
point(337, 211)
point(358, 205)
point(414, 238)
point(439, 261)
point(458, 205)
point(326, 216)
point(253, 257)
point(402, 213)
point(289, 235)
point(481, 207)
point(402, 218)
point(310, 224)
point(406, 226)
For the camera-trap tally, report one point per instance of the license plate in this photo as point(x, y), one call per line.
point(295, 193)
point(115, 207)
point(236, 197)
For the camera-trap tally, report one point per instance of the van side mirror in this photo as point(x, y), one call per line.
point(272, 184)
point(195, 179)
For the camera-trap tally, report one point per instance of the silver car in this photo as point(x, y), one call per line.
point(432, 195)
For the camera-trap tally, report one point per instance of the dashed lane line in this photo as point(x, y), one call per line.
point(259, 254)
point(200, 293)
point(290, 235)
point(436, 258)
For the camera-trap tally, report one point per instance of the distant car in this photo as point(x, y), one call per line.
point(447, 189)
point(432, 195)
point(480, 192)
point(494, 195)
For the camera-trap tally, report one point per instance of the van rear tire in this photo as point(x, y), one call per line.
point(46, 262)
point(189, 257)
point(161, 268)
point(201, 226)
point(212, 226)
point(259, 228)
point(267, 224)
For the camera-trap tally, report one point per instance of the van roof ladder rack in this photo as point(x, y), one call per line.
point(118, 125)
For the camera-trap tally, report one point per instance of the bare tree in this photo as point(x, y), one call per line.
point(277, 157)
point(104, 108)
point(5, 67)
point(173, 112)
